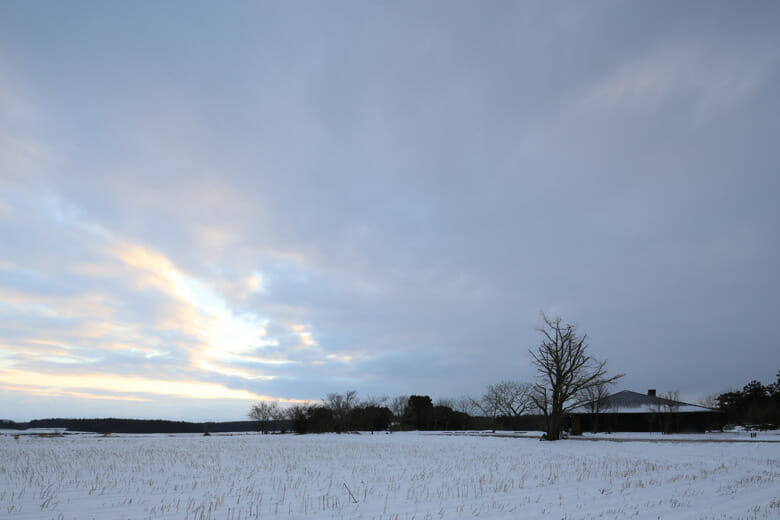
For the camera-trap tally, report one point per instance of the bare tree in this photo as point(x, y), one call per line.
point(341, 402)
point(340, 405)
point(509, 398)
point(282, 415)
point(398, 406)
point(564, 372)
point(296, 415)
point(487, 408)
point(375, 401)
point(449, 402)
point(667, 406)
point(709, 401)
point(464, 404)
point(595, 397)
point(671, 400)
point(263, 412)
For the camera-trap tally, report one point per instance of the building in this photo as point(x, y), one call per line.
point(629, 411)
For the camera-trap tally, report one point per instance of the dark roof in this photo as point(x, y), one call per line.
point(628, 401)
point(634, 399)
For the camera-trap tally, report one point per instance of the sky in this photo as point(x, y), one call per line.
point(207, 204)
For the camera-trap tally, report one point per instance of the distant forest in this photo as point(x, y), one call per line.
point(112, 425)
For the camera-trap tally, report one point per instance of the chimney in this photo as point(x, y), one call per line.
point(651, 392)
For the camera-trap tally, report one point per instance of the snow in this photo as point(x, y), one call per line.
point(735, 435)
point(402, 476)
point(647, 408)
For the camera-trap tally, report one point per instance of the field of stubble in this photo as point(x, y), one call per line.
point(401, 477)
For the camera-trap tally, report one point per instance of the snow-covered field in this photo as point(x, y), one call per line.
point(740, 435)
point(400, 476)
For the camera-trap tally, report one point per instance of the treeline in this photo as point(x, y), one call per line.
point(418, 414)
point(421, 414)
point(113, 425)
point(344, 413)
point(320, 419)
point(755, 405)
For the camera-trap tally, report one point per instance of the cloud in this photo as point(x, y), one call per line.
point(125, 384)
point(128, 309)
point(712, 79)
point(386, 200)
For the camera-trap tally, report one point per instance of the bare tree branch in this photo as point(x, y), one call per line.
point(566, 374)
point(263, 412)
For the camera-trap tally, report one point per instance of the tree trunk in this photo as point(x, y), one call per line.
point(554, 433)
point(554, 429)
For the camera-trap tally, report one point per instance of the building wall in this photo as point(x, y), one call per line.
point(681, 422)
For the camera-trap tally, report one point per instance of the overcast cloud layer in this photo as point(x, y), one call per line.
point(202, 205)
